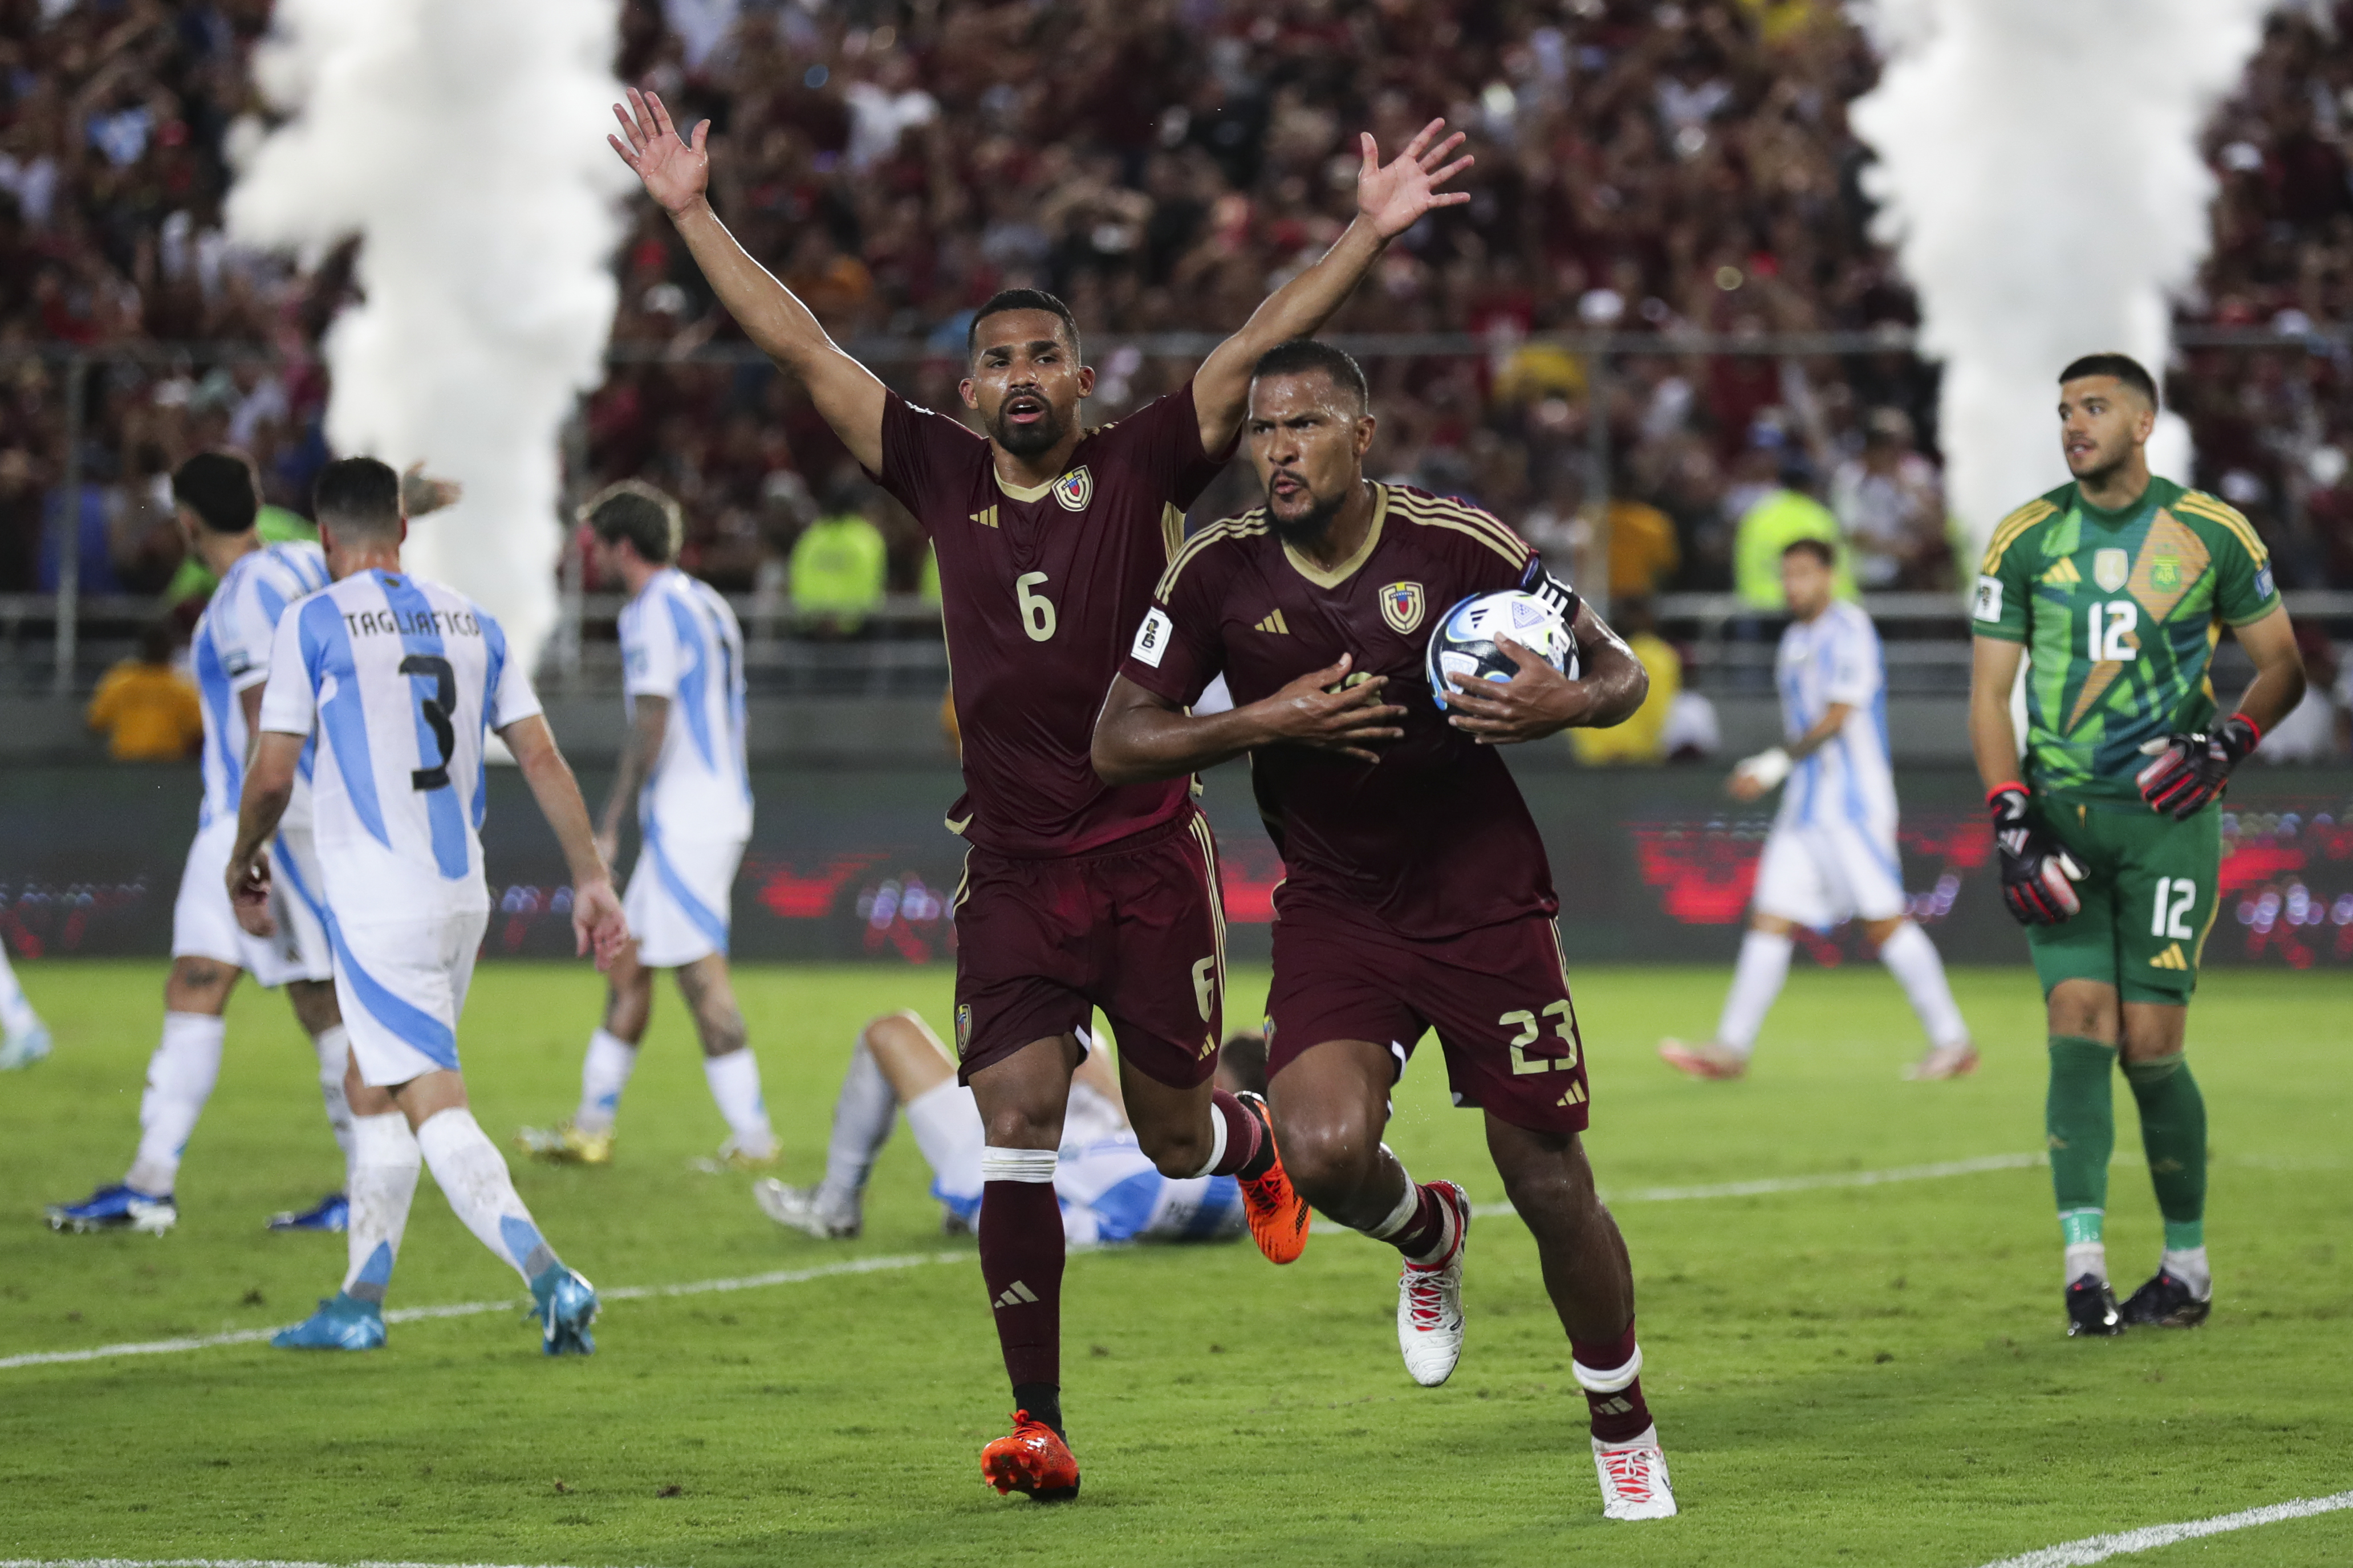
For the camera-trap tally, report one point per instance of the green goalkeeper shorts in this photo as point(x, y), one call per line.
point(2149, 899)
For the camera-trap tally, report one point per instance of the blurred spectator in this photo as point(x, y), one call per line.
point(1775, 521)
point(147, 708)
point(1891, 506)
point(839, 566)
point(1643, 737)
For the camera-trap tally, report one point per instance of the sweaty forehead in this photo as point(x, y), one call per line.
point(1298, 392)
point(1018, 329)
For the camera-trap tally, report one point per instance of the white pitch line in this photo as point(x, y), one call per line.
point(1768, 1185)
point(475, 1308)
point(2099, 1548)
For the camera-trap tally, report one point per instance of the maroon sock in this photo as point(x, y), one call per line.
point(1619, 1415)
point(1248, 1151)
point(1425, 1234)
point(1021, 1259)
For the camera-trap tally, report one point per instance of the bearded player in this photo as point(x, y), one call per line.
point(2119, 583)
point(1076, 895)
point(1415, 892)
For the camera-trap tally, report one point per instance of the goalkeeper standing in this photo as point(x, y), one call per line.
point(2118, 586)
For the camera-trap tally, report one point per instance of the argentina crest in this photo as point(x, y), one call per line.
point(1401, 607)
point(1075, 489)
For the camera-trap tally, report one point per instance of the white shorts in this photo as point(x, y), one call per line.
point(203, 922)
point(402, 984)
point(680, 896)
point(1830, 871)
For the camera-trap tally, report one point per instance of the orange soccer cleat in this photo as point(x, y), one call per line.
point(1279, 1216)
point(1033, 1458)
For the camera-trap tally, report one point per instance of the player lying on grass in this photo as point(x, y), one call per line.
point(683, 771)
point(216, 502)
point(400, 678)
point(2119, 585)
point(1415, 892)
point(1832, 853)
point(1076, 895)
point(1108, 1189)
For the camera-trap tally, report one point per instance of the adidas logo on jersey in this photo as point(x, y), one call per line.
point(1274, 623)
point(2171, 958)
point(1017, 1295)
point(2062, 575)
point(987, 517)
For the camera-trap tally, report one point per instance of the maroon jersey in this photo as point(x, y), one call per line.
point(1039, 590)
point(1431, 840)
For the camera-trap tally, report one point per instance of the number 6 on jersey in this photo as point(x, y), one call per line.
point(1037, 610)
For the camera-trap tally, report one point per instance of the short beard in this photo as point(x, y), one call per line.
point(1027, 440)
point(1310, 526)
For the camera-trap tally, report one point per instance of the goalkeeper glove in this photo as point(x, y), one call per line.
point(2191, 768)
point(2038, 877)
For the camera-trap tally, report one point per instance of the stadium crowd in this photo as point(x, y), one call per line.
point(1643, 166)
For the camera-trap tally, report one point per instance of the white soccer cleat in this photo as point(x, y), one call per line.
point(1944, 1062)
point(1430, 1301)
point(797, 1208)
point(1634, 1477)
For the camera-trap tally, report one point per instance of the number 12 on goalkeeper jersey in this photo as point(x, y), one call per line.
point(400, 678)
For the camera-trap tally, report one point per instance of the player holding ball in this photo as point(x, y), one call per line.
point(1417, 894)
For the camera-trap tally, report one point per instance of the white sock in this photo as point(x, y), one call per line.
point(1911, 958)
point(2188, 1265)
point(2087, 1258)
point(1756, 981)
point(603, 1076)
point(335, 1047)
point(945, 1120)
point(382, 1179)
point(472, 1175)
point(16, 1014)
point(862, 1124)
point(180, 1078)
point(735, 1080)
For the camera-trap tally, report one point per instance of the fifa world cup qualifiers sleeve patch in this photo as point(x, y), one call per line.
point(1152, 638)
point(2264, 586)
point(1988, 599)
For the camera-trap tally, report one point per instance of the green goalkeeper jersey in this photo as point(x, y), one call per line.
point(2119, 612)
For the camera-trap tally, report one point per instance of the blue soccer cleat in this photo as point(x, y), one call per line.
point(341, 1323)
point(23, 1050)
point(117, 1207)
point(332, 1212)
point(565, 1304)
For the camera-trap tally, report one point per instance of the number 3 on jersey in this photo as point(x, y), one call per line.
point(435, 709)
point(1037, 610)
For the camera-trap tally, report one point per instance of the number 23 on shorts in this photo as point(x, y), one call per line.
point(1529, 1029)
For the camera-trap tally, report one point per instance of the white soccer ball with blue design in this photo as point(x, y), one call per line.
point(1465, 642)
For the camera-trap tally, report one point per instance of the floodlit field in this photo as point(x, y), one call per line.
point(1872, 1373)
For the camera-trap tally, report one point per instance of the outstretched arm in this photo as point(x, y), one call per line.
point(1390, 199)
point(677, 173)
point(1141, 736)
point(597, 918)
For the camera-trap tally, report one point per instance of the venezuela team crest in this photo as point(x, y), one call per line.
point(1075, 489)
point(1401, 607)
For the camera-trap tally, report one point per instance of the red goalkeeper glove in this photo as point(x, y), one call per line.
point(2038, 877)
point(2190, 770)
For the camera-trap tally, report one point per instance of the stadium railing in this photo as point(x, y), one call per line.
point(62, 640)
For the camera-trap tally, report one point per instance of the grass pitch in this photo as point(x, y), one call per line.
point(1871, 1373)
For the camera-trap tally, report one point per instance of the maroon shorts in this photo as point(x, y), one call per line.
point(1498, 998)
point(1137, 930)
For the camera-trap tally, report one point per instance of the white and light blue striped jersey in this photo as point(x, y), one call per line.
point(398, 678)
point(230, 653)
point(680, 641)
point(1834, 659)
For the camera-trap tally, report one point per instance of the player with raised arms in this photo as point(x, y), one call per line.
point(399, 677)
point(1416, 891)
point(1076, 895)
point(2118, 584)
point(683, 770)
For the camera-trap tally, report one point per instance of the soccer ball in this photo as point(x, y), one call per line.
point(1465, 642)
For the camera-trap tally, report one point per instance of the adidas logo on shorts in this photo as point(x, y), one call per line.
point(1017, 1295)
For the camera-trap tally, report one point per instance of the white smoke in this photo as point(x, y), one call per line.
point(2039, 177)
point(461, 140)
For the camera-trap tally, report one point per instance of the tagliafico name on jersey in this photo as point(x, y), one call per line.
point(411, 623)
